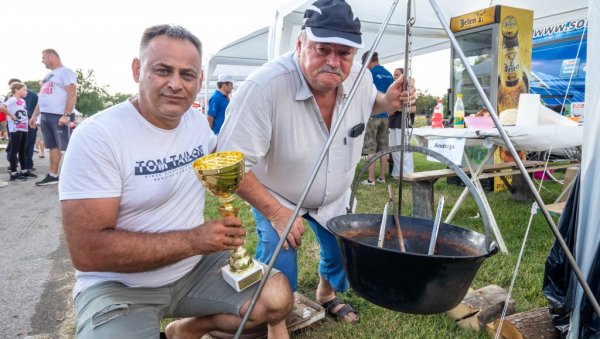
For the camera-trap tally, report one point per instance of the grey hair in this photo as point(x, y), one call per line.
point(303, 36)
point(172, 31)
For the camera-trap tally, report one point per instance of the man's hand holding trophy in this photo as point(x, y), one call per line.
point(221, 174)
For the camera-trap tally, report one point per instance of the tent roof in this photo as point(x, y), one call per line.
point(251, 51)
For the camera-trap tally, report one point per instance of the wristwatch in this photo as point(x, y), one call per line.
point(66, 115)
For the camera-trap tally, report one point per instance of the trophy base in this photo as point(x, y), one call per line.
point(242, 280)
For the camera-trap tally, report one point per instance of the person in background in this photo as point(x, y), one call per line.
point(377, 136)
point(217, 104)
point(3, 123)
point(15, 108)
point(133, 219)
point(396, 136)
point(56, 101)
point(31, 101)
point(39, 140)
point(280, 118)
point(3, 133)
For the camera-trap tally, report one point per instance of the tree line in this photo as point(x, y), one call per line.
point(426, 102)
point(91, 96)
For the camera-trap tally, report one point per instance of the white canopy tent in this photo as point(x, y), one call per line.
point(588, 234)
point(240, 57)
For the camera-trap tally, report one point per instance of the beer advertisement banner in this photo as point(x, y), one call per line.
point(514, 57)
point(514, 66)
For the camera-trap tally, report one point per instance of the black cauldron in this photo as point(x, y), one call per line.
point(411, 282)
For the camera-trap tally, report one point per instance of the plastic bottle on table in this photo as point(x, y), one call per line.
point(438, 115)
point(459, 112)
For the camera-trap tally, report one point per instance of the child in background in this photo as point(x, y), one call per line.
point(16, 112)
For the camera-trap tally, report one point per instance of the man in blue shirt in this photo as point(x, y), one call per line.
point(377, 135)
point(217, 104)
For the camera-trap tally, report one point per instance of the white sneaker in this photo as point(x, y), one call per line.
point(379, 180)
point(367, 182)
point(3, 183)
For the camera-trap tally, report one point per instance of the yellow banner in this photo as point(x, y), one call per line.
point(514, 64)
point(474, 19)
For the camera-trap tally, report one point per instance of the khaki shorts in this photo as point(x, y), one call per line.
point(113, 310)
point(377, 136)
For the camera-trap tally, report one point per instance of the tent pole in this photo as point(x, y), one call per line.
point(338, 122)
point(405, 108)
point(519, 163)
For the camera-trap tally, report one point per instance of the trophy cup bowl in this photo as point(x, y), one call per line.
point(221, 174)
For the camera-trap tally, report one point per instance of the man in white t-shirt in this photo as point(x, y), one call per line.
point(56, 102)
point(133, 211)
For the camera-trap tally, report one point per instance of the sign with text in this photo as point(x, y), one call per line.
point(451, 148)
point(475, 19)
point(577, 108)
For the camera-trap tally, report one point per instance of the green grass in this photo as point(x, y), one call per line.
point(377, 322)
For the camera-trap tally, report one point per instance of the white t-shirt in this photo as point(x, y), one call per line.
point(53, 95)
point(118, 153)
point(19, 109)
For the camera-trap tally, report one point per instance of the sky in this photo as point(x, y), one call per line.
point(103, 35)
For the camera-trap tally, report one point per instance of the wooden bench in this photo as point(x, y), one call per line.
point(422, 182)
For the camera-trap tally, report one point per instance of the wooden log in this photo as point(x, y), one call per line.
point(423, 199)
point(532, 324)
point(461, 311)
point(480, 307)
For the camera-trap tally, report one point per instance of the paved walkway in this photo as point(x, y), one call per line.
point(35, 268)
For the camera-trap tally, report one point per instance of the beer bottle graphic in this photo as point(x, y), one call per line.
point(512, 80)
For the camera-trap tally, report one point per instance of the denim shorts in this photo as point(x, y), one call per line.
point(331, 264)
point(54, 136)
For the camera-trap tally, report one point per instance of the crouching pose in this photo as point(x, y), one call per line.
point(133, 211)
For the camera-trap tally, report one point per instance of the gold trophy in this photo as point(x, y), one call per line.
point(221, 174)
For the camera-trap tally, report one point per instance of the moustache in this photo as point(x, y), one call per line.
point(329, 69)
